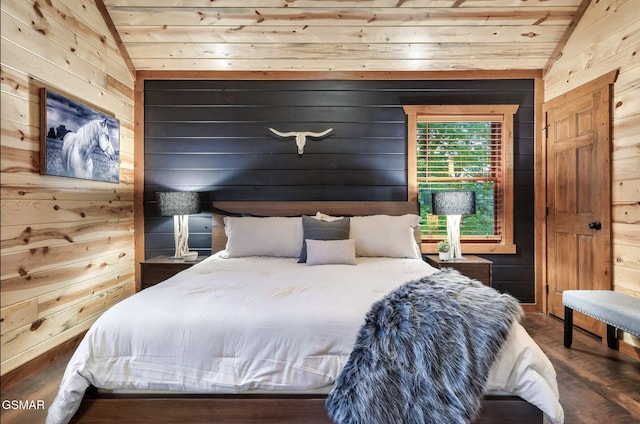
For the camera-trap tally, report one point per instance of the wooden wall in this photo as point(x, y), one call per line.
point(67, 245)
point(67, 249)
point(606, 38)
point(212, 136)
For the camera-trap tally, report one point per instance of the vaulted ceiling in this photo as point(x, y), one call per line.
point(343, 35)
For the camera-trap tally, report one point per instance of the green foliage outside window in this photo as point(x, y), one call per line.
point(458, 156)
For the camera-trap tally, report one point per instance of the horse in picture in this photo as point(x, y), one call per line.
point(77, 148)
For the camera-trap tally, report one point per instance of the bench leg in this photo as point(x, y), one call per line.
point(612, 340)
point(568, 326)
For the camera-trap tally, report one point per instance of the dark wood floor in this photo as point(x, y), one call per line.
point(597, 385)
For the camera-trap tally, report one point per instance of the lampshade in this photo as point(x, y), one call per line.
point(171, 203)
point(453, 202)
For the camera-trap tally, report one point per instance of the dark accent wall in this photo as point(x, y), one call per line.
point(212, 136)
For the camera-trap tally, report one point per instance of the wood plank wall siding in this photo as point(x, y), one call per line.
point(211, 136)
point(67, 250)
point(608, 38)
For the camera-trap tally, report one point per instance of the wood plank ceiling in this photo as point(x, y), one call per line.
point(343, 35)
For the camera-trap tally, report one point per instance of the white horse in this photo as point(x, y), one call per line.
point(77, 148)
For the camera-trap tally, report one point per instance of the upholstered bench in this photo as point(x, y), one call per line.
point(617, 310)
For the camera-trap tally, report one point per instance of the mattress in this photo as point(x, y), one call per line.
point(238, 325)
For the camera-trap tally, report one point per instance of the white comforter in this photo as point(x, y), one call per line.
point(232, 325)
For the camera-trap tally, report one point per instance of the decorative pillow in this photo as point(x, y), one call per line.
point(322, 230)
point(385, 235)
point(325, 252)
point(270, 236)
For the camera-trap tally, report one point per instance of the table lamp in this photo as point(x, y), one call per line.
point(179, 204)
point(453, 204)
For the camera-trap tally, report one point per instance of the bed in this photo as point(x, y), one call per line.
point(253, 335)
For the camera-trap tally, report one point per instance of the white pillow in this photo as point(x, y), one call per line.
point(328, 218)
point(270, 236)
point(385, 235)
point(325, 252)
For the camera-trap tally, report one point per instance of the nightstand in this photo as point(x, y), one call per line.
point(472, 266)
point(155, 270)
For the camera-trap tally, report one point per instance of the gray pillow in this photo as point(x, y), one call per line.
point(315, 229)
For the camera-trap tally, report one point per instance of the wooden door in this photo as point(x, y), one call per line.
point(578, 195)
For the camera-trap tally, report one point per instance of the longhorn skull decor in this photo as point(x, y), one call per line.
point(301, 136)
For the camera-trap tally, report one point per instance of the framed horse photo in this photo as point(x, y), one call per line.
point(77, 141)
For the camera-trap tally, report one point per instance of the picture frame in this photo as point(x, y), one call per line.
point(77, 140)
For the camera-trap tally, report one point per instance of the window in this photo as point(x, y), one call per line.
point(464, 148)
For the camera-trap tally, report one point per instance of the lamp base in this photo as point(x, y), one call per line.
point(181, 235)
point(190, 256)
point(460, 259)
point(453, 236)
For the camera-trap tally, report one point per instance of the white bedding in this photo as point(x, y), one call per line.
point(258, 323)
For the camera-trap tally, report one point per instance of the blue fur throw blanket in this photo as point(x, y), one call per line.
point(423, 354)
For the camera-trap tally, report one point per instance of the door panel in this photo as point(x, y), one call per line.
point(585, 160)
point(578, 195)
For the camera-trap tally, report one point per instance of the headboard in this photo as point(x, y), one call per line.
point(298, 208)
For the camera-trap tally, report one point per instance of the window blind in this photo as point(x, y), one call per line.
point(462, 154)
